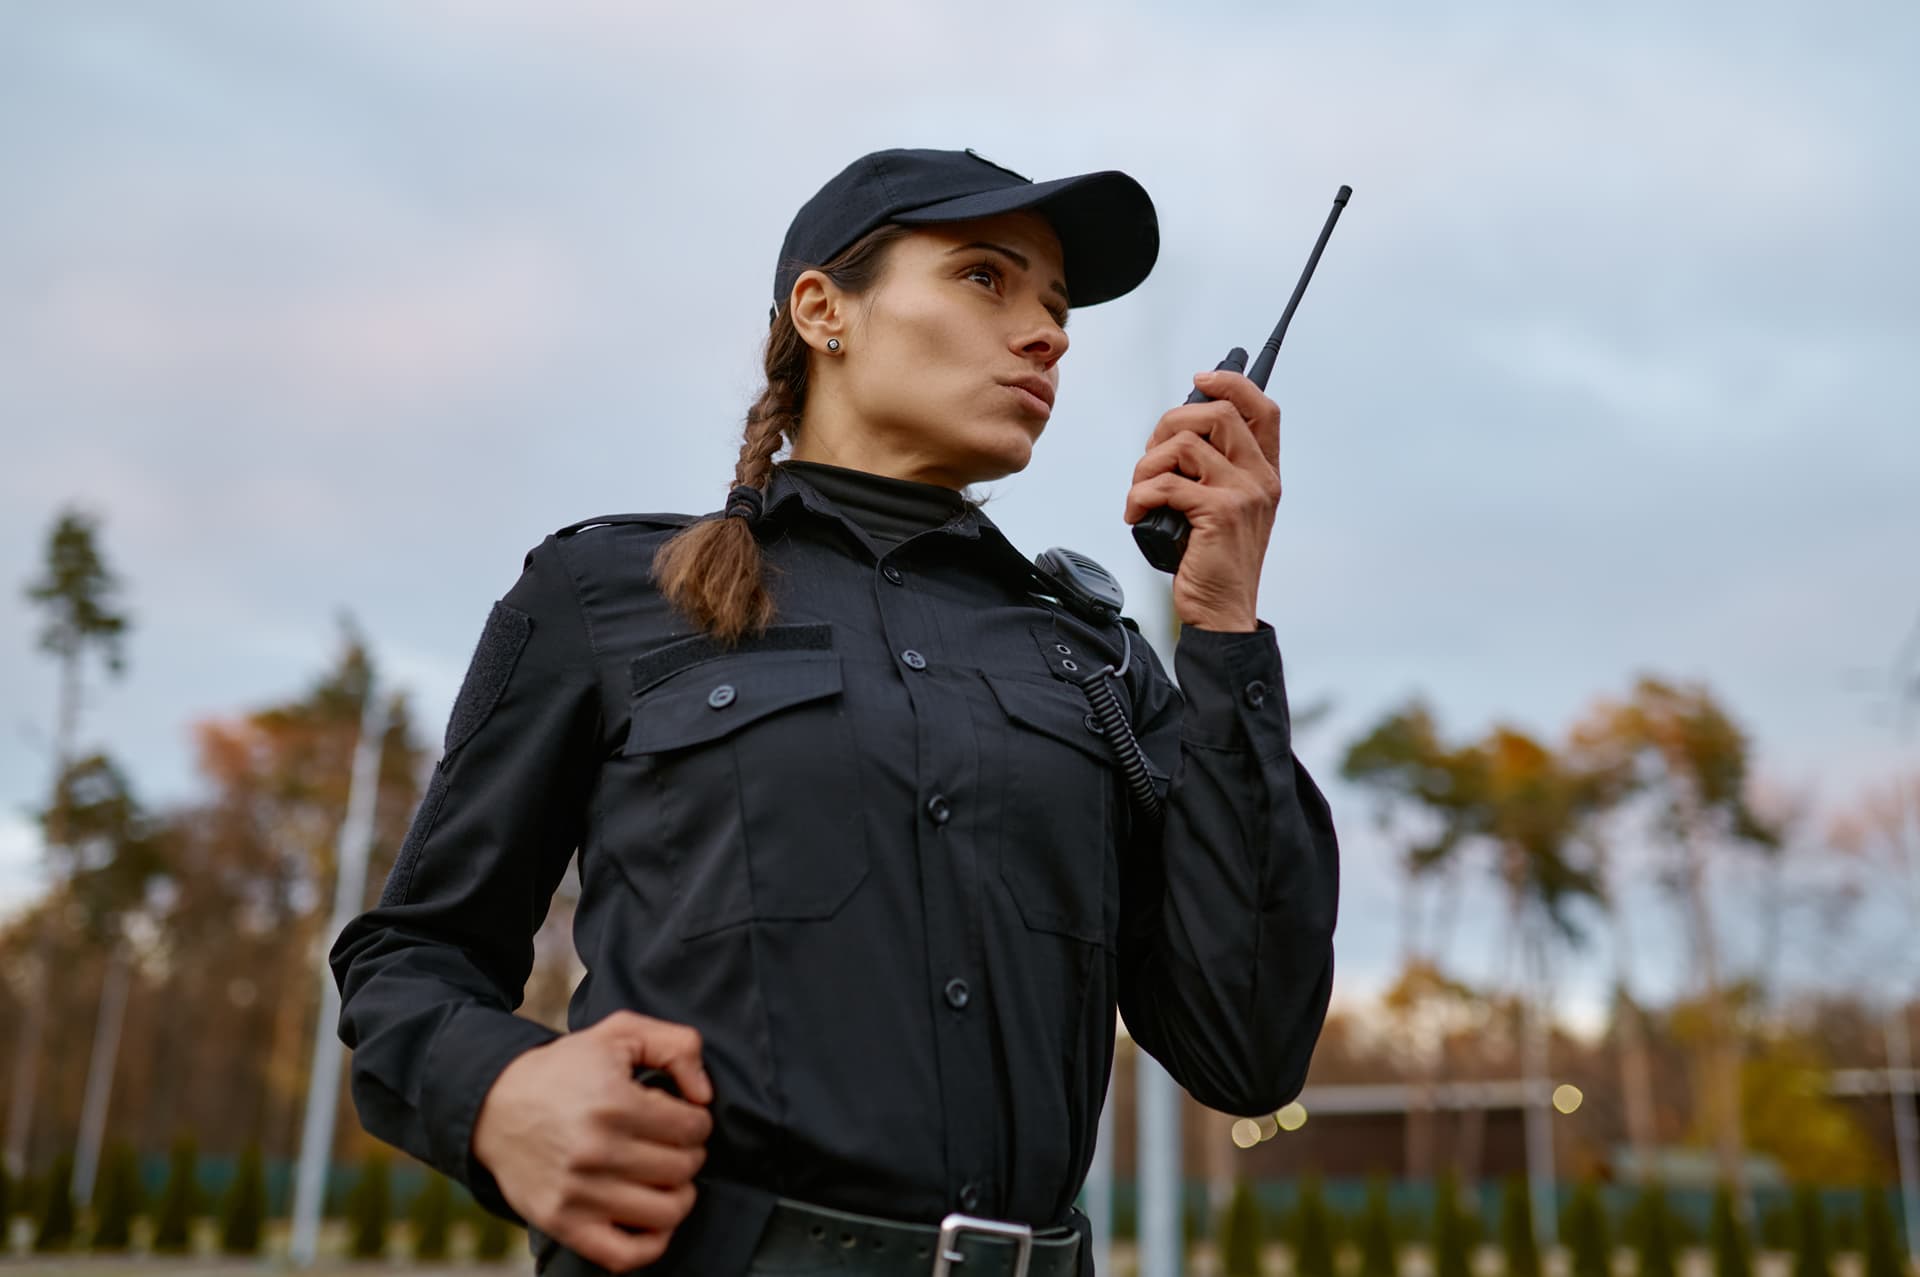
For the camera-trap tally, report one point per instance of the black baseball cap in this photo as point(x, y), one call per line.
point(1109, 233)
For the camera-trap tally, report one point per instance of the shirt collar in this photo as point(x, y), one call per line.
point(787, 493)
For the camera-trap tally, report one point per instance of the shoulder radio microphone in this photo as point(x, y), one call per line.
point(1162, 534)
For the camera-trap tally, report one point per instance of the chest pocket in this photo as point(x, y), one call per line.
point(747, 768)
point(1059, 784)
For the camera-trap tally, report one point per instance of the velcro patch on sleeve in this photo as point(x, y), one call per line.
point(501, 642)
point(401, 879)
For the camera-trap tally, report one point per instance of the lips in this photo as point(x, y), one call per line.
point(1038, 387)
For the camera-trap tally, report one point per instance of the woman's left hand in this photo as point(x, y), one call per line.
point(1218, 463)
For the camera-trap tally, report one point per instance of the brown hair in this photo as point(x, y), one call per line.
point(712, 572)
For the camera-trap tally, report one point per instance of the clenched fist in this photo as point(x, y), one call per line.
point(599, 1163)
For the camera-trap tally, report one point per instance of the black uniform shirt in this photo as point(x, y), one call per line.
point(879, 856)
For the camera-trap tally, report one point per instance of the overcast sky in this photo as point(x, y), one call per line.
point(1609, 368)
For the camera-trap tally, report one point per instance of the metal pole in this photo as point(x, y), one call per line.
point(1160, 1164)
point(349, 890)
point(1539, 1126)
point(1901, 1086)
point(106, 1052)
point(1097, 1196)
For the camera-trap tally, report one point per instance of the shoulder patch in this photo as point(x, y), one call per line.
point(648, 520)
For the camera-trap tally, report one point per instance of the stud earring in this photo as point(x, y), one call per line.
point(833, 343)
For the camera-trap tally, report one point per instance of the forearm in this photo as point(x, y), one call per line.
point(1226, 963)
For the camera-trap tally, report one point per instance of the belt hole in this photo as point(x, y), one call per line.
point(818, 1233)
point(847, 1240)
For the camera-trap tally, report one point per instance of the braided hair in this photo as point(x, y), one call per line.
point(713, 571)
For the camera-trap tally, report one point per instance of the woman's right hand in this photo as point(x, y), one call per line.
point(588, 1156)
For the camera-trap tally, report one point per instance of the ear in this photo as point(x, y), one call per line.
point(819, 309)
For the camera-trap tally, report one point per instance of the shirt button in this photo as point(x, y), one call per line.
point(1255, 693)
point(892, 574)
point(721, 696)
point(914, 660)
point(939, 810)
point(969, 1197)
point(957, 995)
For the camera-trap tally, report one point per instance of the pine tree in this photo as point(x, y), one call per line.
point(1809, 1235)
point(117, 1200)
point(1732, 1256)
point(1312, 1232)
point(1377, 1256)
point(370, 1208)
point(55, 1231)
point(1880, 1250)
point(243, 1212)
point(1516, 1230)
point(1450, 1253)
point(431, 1214)
point(179, 1202)
point(1654, 1227)
point(1589, 1249)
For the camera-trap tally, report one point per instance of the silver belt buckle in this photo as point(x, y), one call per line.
point(945, 1256)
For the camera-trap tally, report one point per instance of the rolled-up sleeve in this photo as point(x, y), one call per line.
point(430, 977)
point(1226, 949)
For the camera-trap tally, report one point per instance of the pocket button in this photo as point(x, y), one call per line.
point(721, 696)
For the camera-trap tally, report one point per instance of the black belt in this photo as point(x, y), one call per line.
point(801, 1235)
point(960, 1246)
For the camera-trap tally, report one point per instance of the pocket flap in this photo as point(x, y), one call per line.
point(1054, 708)
point(707, 701)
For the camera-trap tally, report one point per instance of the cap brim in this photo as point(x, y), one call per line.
point(1109, 232)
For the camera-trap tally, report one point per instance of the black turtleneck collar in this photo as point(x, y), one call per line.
point(887, 509)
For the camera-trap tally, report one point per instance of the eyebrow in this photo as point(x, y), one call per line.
point(1019, 259)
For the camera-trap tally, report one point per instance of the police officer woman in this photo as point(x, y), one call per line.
point(862, 878)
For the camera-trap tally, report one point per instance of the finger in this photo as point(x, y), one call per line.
point(1186, 453)
point(662, 1045)
point(1199, 418)
point(1172, 490)
point(636, 1159)
point(1252, 403)
point(648, 1113)
point(613, 1247)
point(643, 1206)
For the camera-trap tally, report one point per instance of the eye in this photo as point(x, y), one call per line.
point(984, 268)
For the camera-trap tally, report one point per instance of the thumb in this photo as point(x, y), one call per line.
point(644, 1042)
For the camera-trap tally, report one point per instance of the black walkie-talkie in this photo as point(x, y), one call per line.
point(1162, 534)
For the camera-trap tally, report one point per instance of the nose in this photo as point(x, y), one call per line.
point(1045, 341)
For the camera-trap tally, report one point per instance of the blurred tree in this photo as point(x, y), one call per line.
point(1879, 1249)
point(55, 1229)
point(494, 1238)
point(1377, 1249)
point(76, 595)
point(179, 1200)
point(1451, 1247)
point(1652, 1227)
point(1689, 759)
point(1810, 1257)
point(1732, 1256)
point(243, 1214)
point(1516, 1230)
point(115, 856)
point(254, 882)
point(118, 1200)
point(431, 1214)
point(1791, 1115)
point(1240, 1233)
point(1312, 1232)
point(1589, 1249)
point(370, 1209)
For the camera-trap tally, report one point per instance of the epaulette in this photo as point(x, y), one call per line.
point(650, 520)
